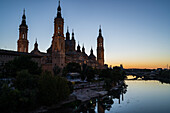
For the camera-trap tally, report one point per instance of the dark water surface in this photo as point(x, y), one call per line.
point(143, 97)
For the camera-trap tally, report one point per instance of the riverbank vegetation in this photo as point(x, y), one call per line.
point(24, 86)
point(165, 74)
point(28, 89)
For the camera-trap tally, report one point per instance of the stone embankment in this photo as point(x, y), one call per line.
point(87, 91)
point(82, 92)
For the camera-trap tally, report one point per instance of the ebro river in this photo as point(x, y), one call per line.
point(142, 96)
point(138, 96)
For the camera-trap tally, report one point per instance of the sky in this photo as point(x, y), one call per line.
point(136, 32)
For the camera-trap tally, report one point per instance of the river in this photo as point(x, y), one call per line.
point(142, 96)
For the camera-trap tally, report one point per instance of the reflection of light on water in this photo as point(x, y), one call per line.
point(140, 78)
point(143, 96)
point(131, 77)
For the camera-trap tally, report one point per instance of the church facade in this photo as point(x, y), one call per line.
point(63, 48)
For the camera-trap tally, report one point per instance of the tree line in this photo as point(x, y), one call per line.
point(27, 87)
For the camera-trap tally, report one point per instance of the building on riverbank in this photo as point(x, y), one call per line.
point(62, 50)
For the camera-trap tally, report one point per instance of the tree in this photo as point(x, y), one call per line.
point(106, 73)
point(21, 63)
point(27, 85)
point(72, 67)
point(8, 99)
point(52, 89)
point(88, 72)
point(24, 80)
point(165, 74)
point(56, 70)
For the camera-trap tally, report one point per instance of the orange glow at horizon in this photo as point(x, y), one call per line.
point(139, 61)
point(139, 65)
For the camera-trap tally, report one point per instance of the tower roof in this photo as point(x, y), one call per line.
point(36, 45)
point(23, 19)
point(91, 51)
point(67, 34)
point(83, 49)
point(72, 35)
point(59, 10)
point(100, 31)
point(91, 56)
point(78, 48)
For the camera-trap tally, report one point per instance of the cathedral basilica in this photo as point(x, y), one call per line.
point(62, 51)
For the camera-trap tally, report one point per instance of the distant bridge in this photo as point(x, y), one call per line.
point(141, 73)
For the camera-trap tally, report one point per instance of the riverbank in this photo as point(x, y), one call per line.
point(163, 80)
point(82, 94)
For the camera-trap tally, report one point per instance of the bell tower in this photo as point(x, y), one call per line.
point(23, 30)
point(100, 48)
point(59, 23)
point(58, 42)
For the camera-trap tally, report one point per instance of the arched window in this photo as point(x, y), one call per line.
point(58, 29)
point(100, 45)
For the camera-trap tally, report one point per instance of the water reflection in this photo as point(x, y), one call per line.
point(100, 105)
point(140, 96)
point(132, 77)
point(144, 97)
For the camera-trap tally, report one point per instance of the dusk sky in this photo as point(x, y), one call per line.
point(136, 32)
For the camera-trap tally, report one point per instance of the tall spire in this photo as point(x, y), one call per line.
point(23, 18)
point(83, 49)
point(36, 45)
point(24, 11)
point(91, 51)
point(78, 48)
point(67, 29)
point(36, 40)
point(100, 31)
point(67, 34)
point(59, 10)
point(72, 34)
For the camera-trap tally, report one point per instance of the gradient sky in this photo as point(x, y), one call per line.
point(136, 32)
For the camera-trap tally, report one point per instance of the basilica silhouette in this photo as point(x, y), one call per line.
point(62, 50)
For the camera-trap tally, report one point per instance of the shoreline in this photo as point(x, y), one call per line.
point(80, 95)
